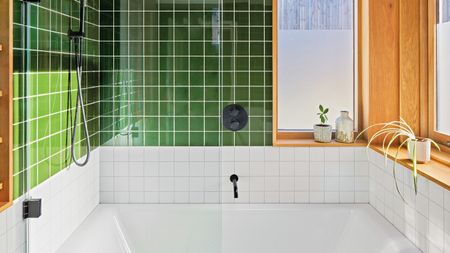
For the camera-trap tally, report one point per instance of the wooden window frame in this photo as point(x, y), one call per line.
point(430, 117)
point(6, 76)
point(305, 138)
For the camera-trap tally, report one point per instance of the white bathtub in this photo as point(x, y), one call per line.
point(236, 229)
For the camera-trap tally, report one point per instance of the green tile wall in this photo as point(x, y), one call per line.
point(165, 79)
point(44, 95)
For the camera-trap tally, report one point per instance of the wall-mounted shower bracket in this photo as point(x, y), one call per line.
point(32, 208)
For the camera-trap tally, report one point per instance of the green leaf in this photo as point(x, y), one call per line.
point(321, 108)
point(322, 119)
point(326, 110)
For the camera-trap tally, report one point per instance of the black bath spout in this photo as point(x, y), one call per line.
point(234, 178)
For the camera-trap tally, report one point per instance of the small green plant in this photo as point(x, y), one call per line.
point(323, 114)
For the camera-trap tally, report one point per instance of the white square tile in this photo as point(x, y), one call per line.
point(272, 184)
point(287, 168)
point(257, 154)
point(361, 154)
point(121, 184)
point(316, 169)
point(347, 169)
point(181, 197)
point(346, 154)
point(151, 184)
point(212, 184)
point(331, 154)
point(346, 183)
point(136, 169)
point(136, 154)
point(166, 169)
point(151, 169)
point(331, 184)
point(166, 197)
point(121, 154)
point(301, 168)
point(287, 184)
point(256, 169)
point(120, 169)
point(436, 214)
point(436, 193)
point(301, 197)
point(181, 184)
point(316, 184)
point(301, 184)
point(331, 197)
point(287, 154)
point(272, 169)
point(136, 197)
point(272, 197)
point(106, 169)
point(272, 154)
point(316, 154)
point(301, 154)
point(181, 169)
point(256, 184)
point(256, 197)
point(212, 169)
point(242, 168)
point(196, 184)
point(346, 197)
point(166, 154)
point(228, 154)
point(241, 154)
point(212, 154)
point(212, 197)
point(151, 154)
point(197, 169)
point(287, 197)
point(151, 197)
point(361, 168)
point(197, 154)
point(316, 197)
point(331, 169)
point(181, 154)
point(166, 183)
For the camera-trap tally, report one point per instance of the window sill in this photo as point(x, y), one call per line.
point(312, 143)
point(437, 171)
point(4, 205)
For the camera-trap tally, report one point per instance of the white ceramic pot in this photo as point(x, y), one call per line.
point(322, 133)
point(344, 128)
point(423, 150)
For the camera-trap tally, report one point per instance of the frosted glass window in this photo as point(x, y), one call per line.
point(443, 69)
point(315, 61)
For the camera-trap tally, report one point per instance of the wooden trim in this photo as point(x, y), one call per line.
point(432, 21)
point(6, 75)
point(274, 70)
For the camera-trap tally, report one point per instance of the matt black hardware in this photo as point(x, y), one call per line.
point(32, 208)
point(234, 178)
point(80, 33)
point(234, 117)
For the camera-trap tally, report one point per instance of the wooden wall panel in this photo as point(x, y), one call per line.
point(6, 68)
point(410, 75)
point(383, 67)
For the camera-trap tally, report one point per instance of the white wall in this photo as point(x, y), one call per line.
point(67, 199)
point(201, 175)
point(443, 77)
point(424, 219)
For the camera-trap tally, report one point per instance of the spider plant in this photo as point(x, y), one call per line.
point(392, 131)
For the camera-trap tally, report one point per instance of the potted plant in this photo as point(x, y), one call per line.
point(419, 149)
point(322, 132)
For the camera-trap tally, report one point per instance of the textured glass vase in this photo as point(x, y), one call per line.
point(344, 128)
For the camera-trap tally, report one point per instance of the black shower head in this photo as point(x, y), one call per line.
point(80, 33)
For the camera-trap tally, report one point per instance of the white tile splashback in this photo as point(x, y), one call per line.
point(423, 218)
point(67, 199)
point(201, 175)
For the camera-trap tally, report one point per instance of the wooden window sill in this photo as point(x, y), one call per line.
point(312, 143)
point(437, 171)
point(4, 205)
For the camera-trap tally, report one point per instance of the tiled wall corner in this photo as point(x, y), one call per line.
point(423, 218)
point(67, 199)
point(201, 175)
